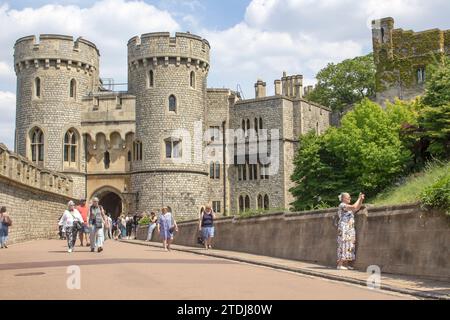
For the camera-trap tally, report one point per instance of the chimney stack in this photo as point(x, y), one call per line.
point(260, 89)
point(277, 87)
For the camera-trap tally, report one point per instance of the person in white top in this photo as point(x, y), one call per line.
point(71, 221)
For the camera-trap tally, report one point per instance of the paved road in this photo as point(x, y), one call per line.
point(38, 270)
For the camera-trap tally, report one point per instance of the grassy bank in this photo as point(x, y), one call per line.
point(410, 189)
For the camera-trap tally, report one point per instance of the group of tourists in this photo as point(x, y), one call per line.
point(90, 223)
point(166, 225)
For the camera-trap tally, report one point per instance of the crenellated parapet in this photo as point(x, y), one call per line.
point(20, 170)
point(161, 49)
point(56, 51)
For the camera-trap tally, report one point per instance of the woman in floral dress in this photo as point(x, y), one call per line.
point(346, 230)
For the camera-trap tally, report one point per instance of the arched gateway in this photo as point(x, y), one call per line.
point(111, 200)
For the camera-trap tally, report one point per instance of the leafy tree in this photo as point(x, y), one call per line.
point(435, 116)
point(317, 173)
point(344, 84)
point(365, 154)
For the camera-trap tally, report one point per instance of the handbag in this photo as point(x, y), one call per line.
point(76, 224)
point(172, 229)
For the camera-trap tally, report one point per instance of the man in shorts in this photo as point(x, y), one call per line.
point(85, 231)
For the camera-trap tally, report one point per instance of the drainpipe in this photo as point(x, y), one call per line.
point(224, 170)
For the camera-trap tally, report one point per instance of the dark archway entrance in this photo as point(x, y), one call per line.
point(112, 204)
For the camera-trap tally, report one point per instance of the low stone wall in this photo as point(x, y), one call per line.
point(399, 239)
point(34, 197)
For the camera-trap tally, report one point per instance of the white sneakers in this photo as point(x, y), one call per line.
point(342, 268)
point(69, 251)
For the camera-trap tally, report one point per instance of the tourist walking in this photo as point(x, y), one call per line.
point(97, 221)
point(129, 225)
point(85, 231)
point(123, 226)
point(206, 225)
point(346, 230)
point(151, 226)
point(5, 223)
point(110, 236)
point(72, 222)
point(166, 226)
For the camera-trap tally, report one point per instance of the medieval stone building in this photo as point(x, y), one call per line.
point(166, 141)
point(402, 56)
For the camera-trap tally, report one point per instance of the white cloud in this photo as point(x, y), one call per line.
point(7, 120)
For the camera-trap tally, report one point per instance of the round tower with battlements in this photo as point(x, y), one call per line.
point(53, 74)
point(168, 76)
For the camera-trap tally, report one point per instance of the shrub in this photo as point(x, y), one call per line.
point(438, 194)
point(144, 221)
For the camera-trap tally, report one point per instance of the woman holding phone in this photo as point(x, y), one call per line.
point(346, 230)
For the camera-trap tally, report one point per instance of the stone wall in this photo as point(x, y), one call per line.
point(399, 239)
point(35, 198)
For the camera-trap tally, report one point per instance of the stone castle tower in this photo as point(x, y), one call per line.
point(52, 77)
point(401, 58)
point(168, 77)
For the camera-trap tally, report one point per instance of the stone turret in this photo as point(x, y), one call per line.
point(52, 76)
point(168, 76)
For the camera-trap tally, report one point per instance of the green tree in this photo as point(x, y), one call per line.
point(344, 84)
point(365, 154)
point(435, 115)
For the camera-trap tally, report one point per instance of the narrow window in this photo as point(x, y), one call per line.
point(176, 149)
point(73, 88)
point(37, 145)
point(217, 171)
point(239, 172)
point(137, 151)
point(243, 125)
point(129, 156)
point(37, 87)
point(151, 79)
point(382, 35)
point(420, 75)
point(168, 149)
point(244, 172)
point(266, 202)
point(211, 170)
point(172, 103)
point(255, 171)
point(247, 203)
point(260, 201)
point(106, 159)
point(192, 79)
point(256, 125)
point(70, 147)
point(260, 123)
point(241, 203)
point(248, 124)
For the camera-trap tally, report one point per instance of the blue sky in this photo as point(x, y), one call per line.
point(250, 39)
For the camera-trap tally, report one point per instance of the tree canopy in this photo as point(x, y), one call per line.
point(344, 84)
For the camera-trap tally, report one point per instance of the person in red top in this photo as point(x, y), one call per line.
point(84, 233)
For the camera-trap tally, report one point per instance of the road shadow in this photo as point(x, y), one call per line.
point(106, 261)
